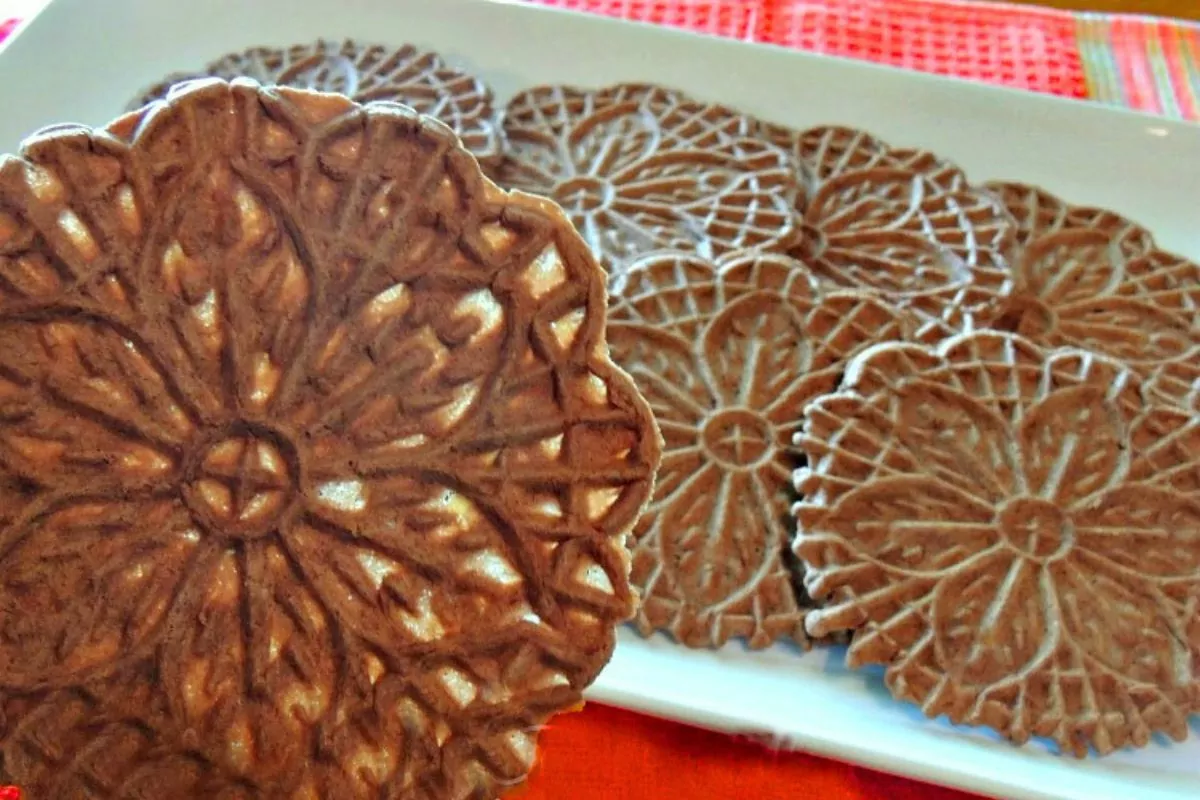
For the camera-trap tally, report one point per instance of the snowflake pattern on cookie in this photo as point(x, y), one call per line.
point(1081, 287)
point(727, 354)
point(324, 476)
point(639, 168)
point(904, 223)
point(1002, 527)
point(828, 151)
point(366, 73)
point(1090, 278)
point(1039, 213)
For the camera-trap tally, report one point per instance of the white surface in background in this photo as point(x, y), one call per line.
point(20, 9)
point(82, 60)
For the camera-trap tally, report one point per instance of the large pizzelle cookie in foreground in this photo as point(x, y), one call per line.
point(1001, 527)
point(323, 476)
point(904, 223)
point(727, 354)
point(367, 72)
point(640, 168)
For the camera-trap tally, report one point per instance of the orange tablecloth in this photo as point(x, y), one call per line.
point(608, 754)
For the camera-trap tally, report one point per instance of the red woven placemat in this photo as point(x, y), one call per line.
point(1021, 47)
point(1139, 62)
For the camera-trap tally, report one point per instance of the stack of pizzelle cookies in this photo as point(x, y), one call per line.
point(987, 397)
point(362, 435)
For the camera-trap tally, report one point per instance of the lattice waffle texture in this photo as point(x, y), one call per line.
point(316, 474)
point(996, 524)
point(365, 72)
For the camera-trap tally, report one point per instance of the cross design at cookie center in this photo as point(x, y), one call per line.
point(1027, 314)
point(1036, 528)
point(738, 438)
point(241, 483)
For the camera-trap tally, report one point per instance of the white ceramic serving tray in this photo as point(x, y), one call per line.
point(82, 60)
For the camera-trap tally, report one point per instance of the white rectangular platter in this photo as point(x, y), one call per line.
point(82, 60)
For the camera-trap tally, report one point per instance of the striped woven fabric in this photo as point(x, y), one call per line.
point(1144, 63)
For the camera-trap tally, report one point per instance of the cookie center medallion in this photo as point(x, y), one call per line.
point(812, 242)
point(584, 193)
point(1035, 528)
point(241, 482)
point(1026, 314)
point(737, 438)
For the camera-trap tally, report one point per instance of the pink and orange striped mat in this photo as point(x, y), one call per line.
point(1145, 63)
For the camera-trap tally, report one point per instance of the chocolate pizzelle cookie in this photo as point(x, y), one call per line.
point(1179, 380)
point(1039, 213)
point(317, 475)
point(1003, 528)
point(366, 73)
point(1092, 279)
point(903, 223)
point(728, 353)
point(826, 151)
point(640, 168)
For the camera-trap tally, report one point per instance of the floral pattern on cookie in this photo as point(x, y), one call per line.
point(324, 475)
point(892, 231)
point(366, 73)
point(638, 169)
point(993, 521)
point(828, 151)
point(727, 354)
point(1078, 287)
point(902, 222)
point(1039, 213)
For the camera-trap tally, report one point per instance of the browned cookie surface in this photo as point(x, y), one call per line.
point(640, 168)
point(1014, 533)
point(727, 353)
point(902, 223)
point(1039, 213)
point(1090, 278)
point(367, 72)
point(317, 476)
